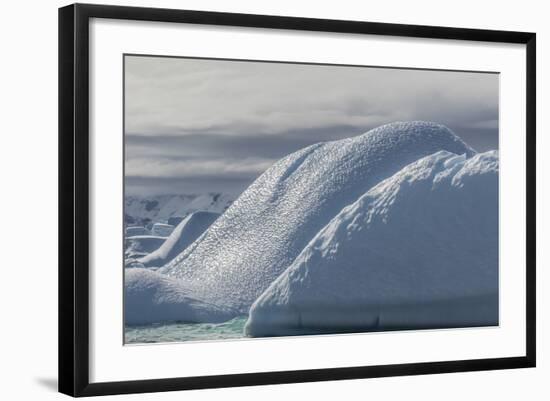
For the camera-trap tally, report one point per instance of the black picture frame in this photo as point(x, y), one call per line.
point(74, 198)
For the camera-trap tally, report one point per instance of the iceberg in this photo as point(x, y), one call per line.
point(185, 233)
point(162, 230)
point(265, 229)
point(418, 250)
point(136, 230)
point(153, 297)
point(139, 245)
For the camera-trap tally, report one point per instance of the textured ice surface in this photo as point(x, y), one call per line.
point(418, 250)
point(186, 232)
point(266, 228)
point(153, 297)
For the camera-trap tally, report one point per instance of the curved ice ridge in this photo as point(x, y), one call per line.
point(266, 228)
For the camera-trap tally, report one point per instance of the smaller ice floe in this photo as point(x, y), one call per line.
point(141, 245)
point(418, 250)
point(133, 231)
point(150, 297)
point(162, 230)
point(187, 231)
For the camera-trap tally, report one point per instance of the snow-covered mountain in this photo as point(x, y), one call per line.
point(418, 250)
point(271, 222)
point(139, 210)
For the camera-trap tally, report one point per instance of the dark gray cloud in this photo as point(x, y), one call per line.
point(211, 126)
point(136, 185)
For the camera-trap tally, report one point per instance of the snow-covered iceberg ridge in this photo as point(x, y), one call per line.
point(419, 250)
point(185, 233)
point(266, 228)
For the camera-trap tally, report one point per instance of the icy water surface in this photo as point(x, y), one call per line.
point(177, 332)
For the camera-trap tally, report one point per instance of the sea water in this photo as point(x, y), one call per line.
point(178, 332)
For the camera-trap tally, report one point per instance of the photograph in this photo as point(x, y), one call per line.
point(267, 199)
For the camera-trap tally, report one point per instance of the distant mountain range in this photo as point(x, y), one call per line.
point(171, 209)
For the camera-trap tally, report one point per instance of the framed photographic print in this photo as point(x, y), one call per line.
point(250, 199)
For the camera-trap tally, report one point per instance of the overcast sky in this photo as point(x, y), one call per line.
point(195, 126)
